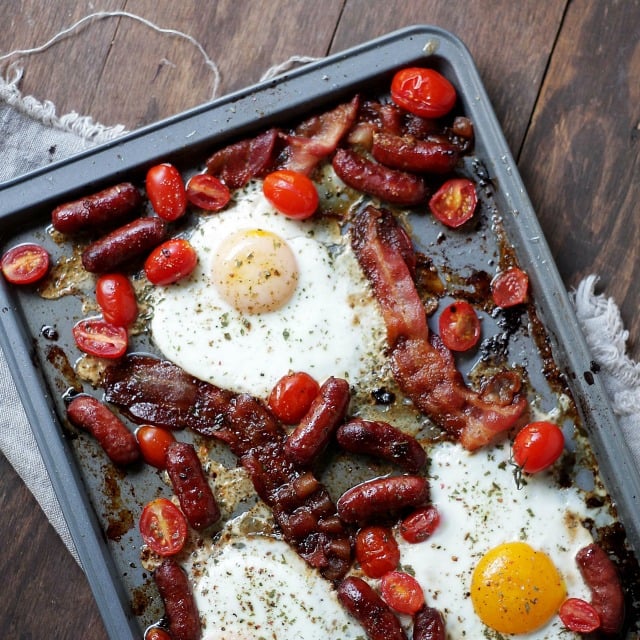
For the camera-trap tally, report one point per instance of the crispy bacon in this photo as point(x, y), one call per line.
point(423, 367)
point(159, 392)
point(318, 137)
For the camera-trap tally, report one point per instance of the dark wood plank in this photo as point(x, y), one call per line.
point(580, 159)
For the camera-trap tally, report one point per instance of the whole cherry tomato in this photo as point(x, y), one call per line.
point(376, 550)
point(291, 193)
point(165, 190)
point(402, 592)
point(173, 260)
point(154, 442)
point(454, 202)
point(156, 633)
point(163, 527)
point(207, 192)
point(420, 524)
point(459, 326)
point(423, 92)
point(510, 287)
point(99, 338)
point(291, 397)
point(579, 616)
point(25, 263)
point(537, 446)
point(117, 299)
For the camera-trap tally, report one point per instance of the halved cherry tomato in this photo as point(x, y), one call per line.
point(454, 202)
point(165, 190)
point(459, 326)
point(173, 260)
point(25, 263)
point(99, 338)
point(402, 592)
point(207, 192)
point(154, 442)
point(376, 550)
point(537, 446)
point(291, 193)
point(423, 92)
point(420, 524)
point(117, 299)
point(163, 527)
point(292, 396)
point(579, 616)
point(510, 287)
point(156, 633)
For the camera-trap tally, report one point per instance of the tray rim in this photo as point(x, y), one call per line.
point(117, 158)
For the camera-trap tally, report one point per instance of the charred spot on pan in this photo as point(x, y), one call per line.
point(594, 366)
point(588, 376)
point(383, 396)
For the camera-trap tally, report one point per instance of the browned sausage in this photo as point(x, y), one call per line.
point(328, 410)
point(433, 155)
point(368, 608)
point(377, 498)
point(382, 440)
point(117, 441)
point(607, 596)
point(428, 624)
point(179, 604)
point(191, 486)
point(390, 185)
point(124, 244)
point(109, 207)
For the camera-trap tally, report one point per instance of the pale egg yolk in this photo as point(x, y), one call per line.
point(255, 271)
point(516, 589)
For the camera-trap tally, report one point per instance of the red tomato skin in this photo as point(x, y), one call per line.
point(402, 592)
point(423, 92)
point(537, 446)
point(459, 326)
point(454, 202)
point(579, 616)
point(170, 262)
point(163, 527)
point(291, 193)
point(25, 263)
point(291, 397)
point(510, 288)
point(166, 192)
point(419, 525)
point(207, 192)
point(99, 338)
point(117, 299)
point(377, 551)
point(154, 442)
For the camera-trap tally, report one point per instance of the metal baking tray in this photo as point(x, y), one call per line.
point(111, 559)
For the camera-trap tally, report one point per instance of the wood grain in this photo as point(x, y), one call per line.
point(564, 78)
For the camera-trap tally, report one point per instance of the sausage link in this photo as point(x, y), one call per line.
point(607, 596)
point(379, 497)
point(382, 440)
point(364, 604)
point(92, 416)
point(310, 438)
point(390, 185)
point(124, 244)
point(109, 207)
point(179, 604)
point(191, 486)
point(428, 624)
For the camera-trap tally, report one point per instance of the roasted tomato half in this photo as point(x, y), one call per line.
point(459, 326)
point(25, 263)
point(454, 202)
point(163, 527)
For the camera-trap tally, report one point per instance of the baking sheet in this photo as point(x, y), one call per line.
point(95, 500)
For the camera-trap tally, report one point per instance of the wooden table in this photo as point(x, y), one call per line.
point(564, 78)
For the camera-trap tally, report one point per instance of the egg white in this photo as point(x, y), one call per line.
point(331, 325)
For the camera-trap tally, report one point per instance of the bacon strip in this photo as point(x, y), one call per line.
point(158, 392)
point(423, 367)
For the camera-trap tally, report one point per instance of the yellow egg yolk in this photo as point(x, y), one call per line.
point(516, 589)
point(255, 271)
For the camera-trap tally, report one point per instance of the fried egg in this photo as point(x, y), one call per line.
point(269, 295)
